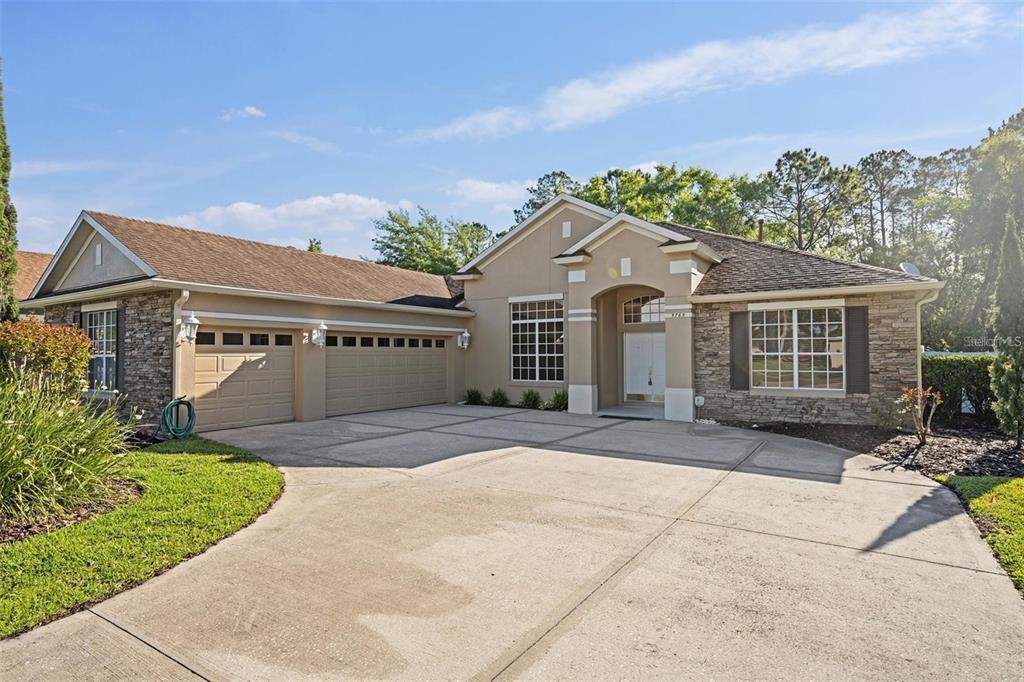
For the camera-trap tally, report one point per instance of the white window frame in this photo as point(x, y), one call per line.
point(106, 319)
point(794, 309)
point(534, 329)
point(656, 312)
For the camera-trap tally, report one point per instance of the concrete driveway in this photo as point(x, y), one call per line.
point(456, 542)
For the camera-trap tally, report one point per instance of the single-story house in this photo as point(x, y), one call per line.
point(31, 265)
point(614, 309)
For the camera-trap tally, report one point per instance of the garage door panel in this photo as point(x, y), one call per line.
point(362, 378)
point(243, 386)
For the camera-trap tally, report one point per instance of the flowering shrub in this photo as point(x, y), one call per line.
point(58, 354)
point(56, 451)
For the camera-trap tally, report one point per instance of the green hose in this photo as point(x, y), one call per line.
point(167, 418)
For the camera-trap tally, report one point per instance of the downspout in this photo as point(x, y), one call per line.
point(927, 298)
point(176, 343)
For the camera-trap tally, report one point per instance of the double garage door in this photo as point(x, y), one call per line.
point(246, 377)
point(382, 372)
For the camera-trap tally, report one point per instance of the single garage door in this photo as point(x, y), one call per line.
point(243, 377)
point(381, 372)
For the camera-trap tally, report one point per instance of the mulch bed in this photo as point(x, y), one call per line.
point(971, 450)
point(123, 492)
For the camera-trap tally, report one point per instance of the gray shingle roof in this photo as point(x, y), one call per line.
point(754, 267)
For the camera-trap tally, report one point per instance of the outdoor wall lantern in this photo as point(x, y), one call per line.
point(190, 327)
point(464, 340)
point(319, 335)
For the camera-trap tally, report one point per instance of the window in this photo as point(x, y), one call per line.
point(537, 350)
point(643, 309)
point(98, 255)
point(797, 348)
point(348, 341)
point(101, 327)
point(399, 343)
point(366, 341)
point(414, 343)
point(205, 338)
point(259, 339)
point(332, 341)
point(439, 343)
point(428, 343)
point(383, 342)
point(282, 339)
point(232, 338)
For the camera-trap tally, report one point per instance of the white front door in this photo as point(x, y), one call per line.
point(644, 366)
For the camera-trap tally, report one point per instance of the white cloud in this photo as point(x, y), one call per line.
point(28, 169)
point(473, 191)
point(307, 141)
point(647, 166)
point(319, 214)
point(492, 123)
point(872, 40)
point(245, 112)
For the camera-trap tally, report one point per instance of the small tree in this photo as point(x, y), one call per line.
point(315, 246)
point(1008, 333)
point(921, 403)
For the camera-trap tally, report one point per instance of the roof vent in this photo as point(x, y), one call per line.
point(909, 268)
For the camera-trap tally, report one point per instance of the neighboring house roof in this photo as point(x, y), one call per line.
point(31, 265)
point(186, 255)
point(751, 267)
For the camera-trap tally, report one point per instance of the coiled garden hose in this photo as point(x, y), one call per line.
point(167, 418)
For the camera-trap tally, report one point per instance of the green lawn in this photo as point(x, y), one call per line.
point(197, 491)
point(997, 504)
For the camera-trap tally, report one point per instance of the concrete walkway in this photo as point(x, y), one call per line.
point(457, 542)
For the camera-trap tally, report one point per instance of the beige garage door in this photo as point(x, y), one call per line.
point(243, 377)
point(381, 372)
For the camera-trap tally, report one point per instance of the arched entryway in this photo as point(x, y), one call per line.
point(630, 348)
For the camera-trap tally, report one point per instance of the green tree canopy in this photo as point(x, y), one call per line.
point(1008, 334)
point(8, 228)
point(429, 244)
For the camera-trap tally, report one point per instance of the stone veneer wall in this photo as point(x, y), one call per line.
point(147, 352)
point(892, 348)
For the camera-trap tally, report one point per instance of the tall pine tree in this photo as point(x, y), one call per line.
point(8, 223)
point(1008, 330)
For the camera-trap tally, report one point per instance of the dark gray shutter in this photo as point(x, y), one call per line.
point(858, 368)
point(119, 363)
point(78, 319)
point(739, 351)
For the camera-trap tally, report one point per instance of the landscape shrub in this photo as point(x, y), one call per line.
point(957, 375)
point(474, 397)
point(56, 451)
point(531, 400)
point(497, 398)
point(559, 401)
point(58, 354)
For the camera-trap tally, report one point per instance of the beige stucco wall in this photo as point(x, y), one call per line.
point(115, 266)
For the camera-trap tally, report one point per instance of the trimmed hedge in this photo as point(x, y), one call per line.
point(955, 375)
point(59, 354)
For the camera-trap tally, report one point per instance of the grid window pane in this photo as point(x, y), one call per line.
point(643, 309)
point(801, 348)
point(537, 341)
point(101, 328)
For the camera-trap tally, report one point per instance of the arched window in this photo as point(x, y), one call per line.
point(643, 309)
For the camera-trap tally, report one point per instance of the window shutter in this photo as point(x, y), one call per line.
point(739, 351)
point(78, 319)
point(119, 351)
point(858, 368)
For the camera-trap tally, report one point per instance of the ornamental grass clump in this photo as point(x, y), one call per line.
point(56, 451)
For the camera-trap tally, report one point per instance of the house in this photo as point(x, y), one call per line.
point(31, 265)
point(617, 310)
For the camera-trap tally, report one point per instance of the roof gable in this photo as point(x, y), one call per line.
point(524, 228)
point(616, 224)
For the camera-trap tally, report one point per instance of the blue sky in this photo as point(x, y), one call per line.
point(280, 122)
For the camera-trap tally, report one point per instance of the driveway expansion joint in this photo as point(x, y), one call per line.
point(149, 644)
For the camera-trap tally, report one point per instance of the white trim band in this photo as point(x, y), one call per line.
point(536, 297)
point(820, 303)
point(313, 321)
